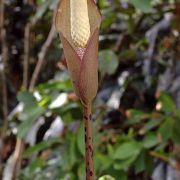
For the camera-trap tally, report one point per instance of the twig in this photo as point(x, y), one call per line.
point(88, 143)
point(42, 54)
point(18, 157)
point(4, 51)
point(159, 156)
point(120, 42)
point(152, 35)
point(163, 158)
point(12, 165)
point(26, 55)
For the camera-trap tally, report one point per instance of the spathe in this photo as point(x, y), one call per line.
point(83, 72)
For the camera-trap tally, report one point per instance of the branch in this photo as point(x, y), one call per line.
point(42, 54)
point(26, 55)
point(13, 165)
point(164, 158)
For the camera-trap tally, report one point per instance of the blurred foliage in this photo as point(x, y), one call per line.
point(139, 139)
point(128, 138)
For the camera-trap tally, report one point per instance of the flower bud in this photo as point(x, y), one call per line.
point(78, 23)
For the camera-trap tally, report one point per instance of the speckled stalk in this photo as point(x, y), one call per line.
point(88, 143)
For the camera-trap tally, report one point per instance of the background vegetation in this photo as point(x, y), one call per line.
point(136, 113)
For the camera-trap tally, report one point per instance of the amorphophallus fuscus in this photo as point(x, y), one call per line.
point(78, 23)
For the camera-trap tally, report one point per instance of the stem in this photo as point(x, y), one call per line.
point(88, 143)
point(26, 55)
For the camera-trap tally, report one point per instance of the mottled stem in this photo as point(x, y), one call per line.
point(88, 143)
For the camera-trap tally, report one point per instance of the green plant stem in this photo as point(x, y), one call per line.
point(88, 143)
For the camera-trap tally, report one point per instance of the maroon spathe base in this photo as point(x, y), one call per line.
point(82, 64)
point(80, 52)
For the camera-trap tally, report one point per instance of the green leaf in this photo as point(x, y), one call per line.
point(152, 123)
point(143, 5)
point(149, 164)
point(69, 112)
point(177, 119)
point(30, 113)
point(36, 164)
point(176, 128)
point(108, 62)
point(150, 140)
point(166, 129)
point(124, 164)
point(110, 149)
point(176, 135)
point(72, 150)
point(106, 177)
point(28, 116)
point(136, 116)
point(140, 164)
point(127, 54)
point(167, 103)
point(55, 85)
point(144, 162)
point(102, 162)
point(81, 171)
point(40, 146)
point(107, 22)
point(178, 113)
point(127, 150)
point(27, 98)
point(117, 174)
point(66, 163)
point(80, 139)
point(103, 3)
point(68, 176)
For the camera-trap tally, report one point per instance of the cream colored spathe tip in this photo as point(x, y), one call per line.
point(80, 25)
